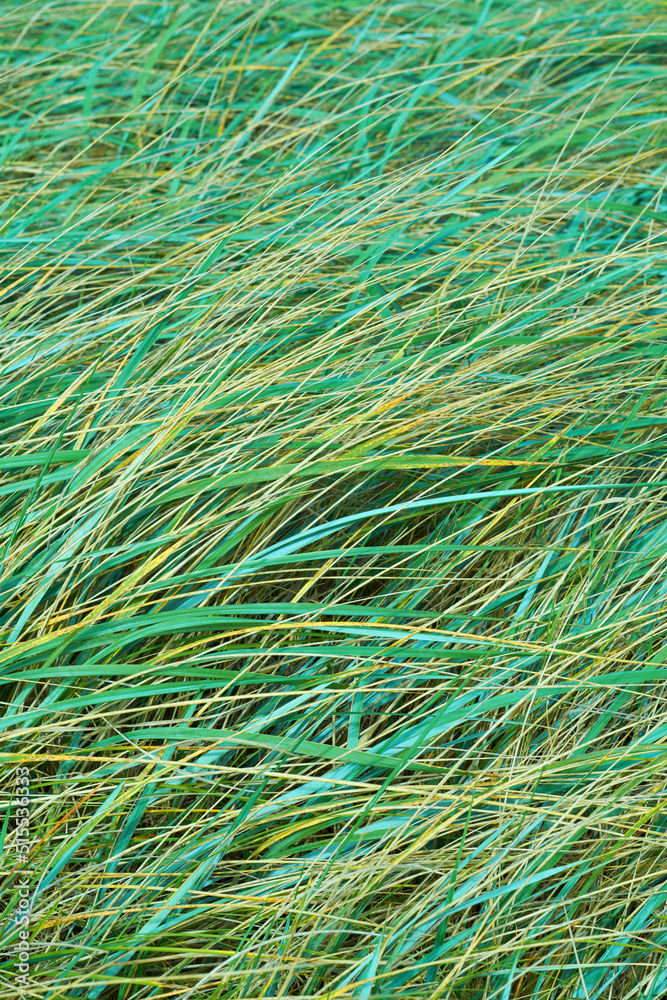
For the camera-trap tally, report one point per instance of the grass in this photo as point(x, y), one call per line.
point(333, 498)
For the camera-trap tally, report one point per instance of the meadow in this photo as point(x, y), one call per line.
point(333, 498)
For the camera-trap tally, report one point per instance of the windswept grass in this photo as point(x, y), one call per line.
point(333, 497)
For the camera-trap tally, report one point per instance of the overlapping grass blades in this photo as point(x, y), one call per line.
point(332, 497)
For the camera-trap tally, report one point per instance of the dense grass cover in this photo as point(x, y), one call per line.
point(333, 497)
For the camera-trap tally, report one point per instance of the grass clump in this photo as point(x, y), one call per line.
point(333, 520)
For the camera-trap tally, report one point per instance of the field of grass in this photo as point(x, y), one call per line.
point(333, 499)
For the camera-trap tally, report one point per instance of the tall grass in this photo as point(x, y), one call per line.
point(333, 497)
